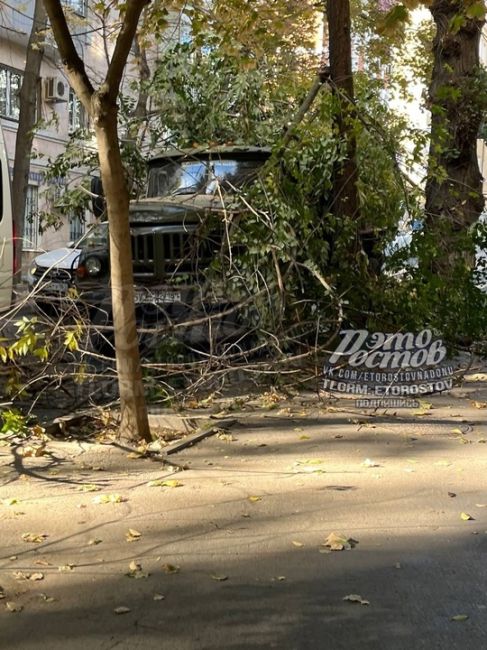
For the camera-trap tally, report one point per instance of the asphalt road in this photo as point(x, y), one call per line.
point(237, 550)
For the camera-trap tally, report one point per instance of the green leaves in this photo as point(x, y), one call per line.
point(393, 21)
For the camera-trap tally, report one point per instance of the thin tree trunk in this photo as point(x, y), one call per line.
point(454, 198)
point(102, 107)
point(134, 420)
point(27, 119)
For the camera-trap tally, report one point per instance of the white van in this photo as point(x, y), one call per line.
point(6, 231)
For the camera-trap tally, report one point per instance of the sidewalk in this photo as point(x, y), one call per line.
point(237, 549)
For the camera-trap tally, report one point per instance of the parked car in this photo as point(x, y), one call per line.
point(177, 233)
point(51, 274)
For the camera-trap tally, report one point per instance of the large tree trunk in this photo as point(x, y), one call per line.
point(345, 198)
point(27, 119)
point(454, 198)
point(134, 420)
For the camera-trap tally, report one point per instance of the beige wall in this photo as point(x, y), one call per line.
point(51, 141)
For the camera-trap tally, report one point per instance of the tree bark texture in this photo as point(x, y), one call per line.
point(454, 198)
point(345, 198)
point(102, 107)
point(132, 403)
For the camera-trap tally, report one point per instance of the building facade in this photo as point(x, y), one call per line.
point(59, 113)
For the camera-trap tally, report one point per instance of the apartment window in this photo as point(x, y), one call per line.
point(31, 218)
point(76, 227)
point(78, 6)
point(76, 112)
point(10, 82)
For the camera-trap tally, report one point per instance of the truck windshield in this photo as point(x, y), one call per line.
point(95, 237)
point(201, 176)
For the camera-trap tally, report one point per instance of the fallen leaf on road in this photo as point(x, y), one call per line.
point(309, 470)
point(121, 610)
point(370, 463)
point(219, 578)
point(13, 607)
point(310, 461)
point(94, 542)
point(459, 618)
point(298, 544)
point(9, 502)
point(254, 499)
point(136, 571)
point(339, 542)
point(36, 576)
point(89, 487)
point(466, 517)
point(132, 535)
point(20, 575)
point(66, 568)
point(227, 437)
point(109, 498)
point(171, 568)
point(457, 430)
point(46, 598)
point(479, 405)
point(172, 483)
point(452, 494)
point(158, 597)
point(34, 538)
point(304, 437)
point(32, 451)
point(355, 598)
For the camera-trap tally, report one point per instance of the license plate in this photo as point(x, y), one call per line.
point(57, 287)
point(157, 297)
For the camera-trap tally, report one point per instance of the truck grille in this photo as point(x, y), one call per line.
point(172, 252)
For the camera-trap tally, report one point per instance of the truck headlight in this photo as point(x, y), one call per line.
point(93, 266)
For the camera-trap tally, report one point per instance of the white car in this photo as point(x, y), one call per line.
point(52, 273)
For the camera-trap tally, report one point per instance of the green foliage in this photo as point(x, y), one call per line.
point(414, 295)
point(297, 254)
point(29, 341)
point(205, 96)
point(13, 423)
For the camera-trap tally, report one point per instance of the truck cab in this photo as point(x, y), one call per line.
point(178, 231)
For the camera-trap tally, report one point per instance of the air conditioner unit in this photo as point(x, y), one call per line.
point(55, 90)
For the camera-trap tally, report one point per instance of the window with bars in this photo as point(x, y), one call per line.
point(10, 83)
point(76, 227)
point(76, 112)
point(79, 7)
point(31, 218)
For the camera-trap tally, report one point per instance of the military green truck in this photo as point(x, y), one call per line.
point(178, 232)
